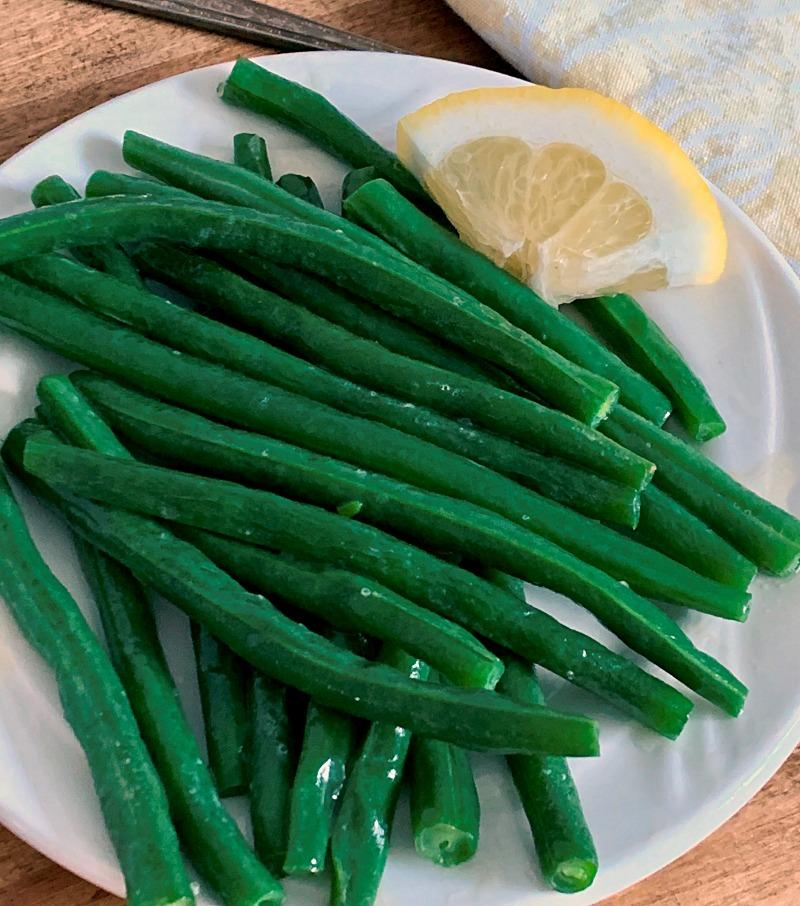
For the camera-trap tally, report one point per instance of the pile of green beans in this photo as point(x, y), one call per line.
point(354, 436)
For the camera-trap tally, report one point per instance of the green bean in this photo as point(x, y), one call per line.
point(301, 187)
point(69, 414)
point(264, 518)
point(250, 152)
point(293, 105)
point(212, 839)
point(311, 337)
point(328, 742)
point(106, 257)
point(112, 350)
point(272, 764)
point(511, 584)
point(105, 182)
point(365, 320)
point(445, 812)
point(53, 190)
point(628, 330)
point(131, 796)
point(761, 531)
point(222, 679)
point(283, 649)
point(667, 526)
point(564, 845)
point(381, 209)
point(424, 299)
point(321, 297)
point(360, 839)
point(219, 671)
point(354, 179)
point(355, 603)
point(423, 516)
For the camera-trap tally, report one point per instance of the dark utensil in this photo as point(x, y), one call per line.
point(252, 21)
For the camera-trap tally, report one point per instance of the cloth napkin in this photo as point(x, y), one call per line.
point(721, 76)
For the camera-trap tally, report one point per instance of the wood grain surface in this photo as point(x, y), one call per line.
point(59, 58)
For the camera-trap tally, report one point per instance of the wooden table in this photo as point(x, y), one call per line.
point(59, 58)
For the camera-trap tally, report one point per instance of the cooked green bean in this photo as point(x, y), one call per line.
point(264, 518)
point(53, 190)
point(131, 796)
point(564, 845)
point(222, 679)
point(311, 337)
point(445, 812)
point(106, 257)
point(301, 187)
point(365, 320)
point(309, 113)
point(69, 414)
point(250, 152)
point(629, 331)
point(356, 178)
point(328, 742)
point(647, 564)
point(360, 839)
point(105, 182)
point(668, 527)
point(378, 207)
point(509, 583)
point(285, 650)
point(212, 839)
point(219, 671)
point(761, 531)
point(272, 764)
point(355, 603)
point(183, 437)
point(425, 299)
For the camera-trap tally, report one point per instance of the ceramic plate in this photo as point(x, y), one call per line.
point(647, 800)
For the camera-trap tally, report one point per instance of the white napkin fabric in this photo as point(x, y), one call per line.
point(721, 76)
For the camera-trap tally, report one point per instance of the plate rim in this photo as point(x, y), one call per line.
point(657, 853)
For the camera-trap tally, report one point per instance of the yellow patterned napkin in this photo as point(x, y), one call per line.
point(722, 76)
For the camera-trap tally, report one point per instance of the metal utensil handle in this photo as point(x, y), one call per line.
point(254, 22)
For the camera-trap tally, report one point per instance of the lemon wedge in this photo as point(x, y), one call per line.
point(574, 193)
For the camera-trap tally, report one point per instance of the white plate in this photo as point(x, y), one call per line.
point(647, 800)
